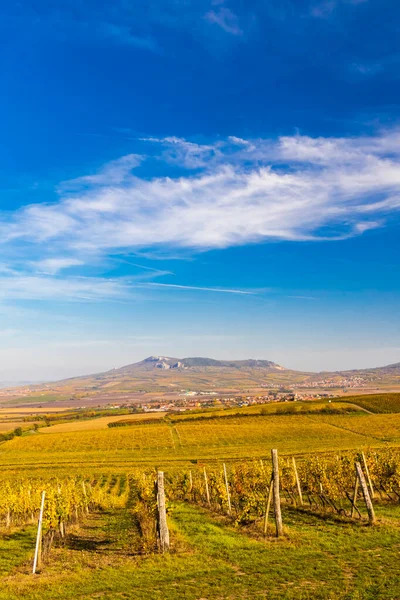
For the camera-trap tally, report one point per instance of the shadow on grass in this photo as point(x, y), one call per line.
point(74, 542)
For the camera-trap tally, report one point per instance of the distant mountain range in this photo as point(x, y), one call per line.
point(168, 374)
point(201, 363)
point(166, 362)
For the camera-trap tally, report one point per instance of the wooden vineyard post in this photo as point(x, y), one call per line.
point(353, 508)
point(85, 497)
point(368, 477)
point(268, 505)
point(206, 483)
point(162, 513)
point(37, 561)
point(297, 481)
point(61, 527)
point(227, 491)
point(190, 482)
point(367, 498)
point(277, 498)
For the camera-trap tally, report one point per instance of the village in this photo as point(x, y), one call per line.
point(191, 400)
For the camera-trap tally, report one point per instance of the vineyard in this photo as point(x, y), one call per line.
point(247, 492)
point(321, 484)
point(174, 442)
point(377, 403)
point(226, 509)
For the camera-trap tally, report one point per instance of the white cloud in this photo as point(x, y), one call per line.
point(226, 19)
point(186, 154)
point(234, 192)
point(50, 266)
point(113, 173)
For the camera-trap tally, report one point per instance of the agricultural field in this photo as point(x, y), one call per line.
point(97, 423)
point(167, 442)
point(98, 539)
point(100, 509)
point(377, 403)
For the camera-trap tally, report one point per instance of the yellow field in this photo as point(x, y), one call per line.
point(6, 426)
point(384, 428)
point(90, 444)
point(27, 411)
point(97, 423)
point(266, 409)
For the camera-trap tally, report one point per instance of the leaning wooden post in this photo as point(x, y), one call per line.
point(297, 481)
point(162, 513)
point(227, 491)
point(353, 508)
point(268, 504)
point(37, 561)
point(206, 483)
point(190, 482)
point(367, 498)
point(277, 498)
point(367, 474)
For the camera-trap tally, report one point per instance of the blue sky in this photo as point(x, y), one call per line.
point(206, 177)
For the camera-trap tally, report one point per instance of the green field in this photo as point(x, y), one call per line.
point(317, 559)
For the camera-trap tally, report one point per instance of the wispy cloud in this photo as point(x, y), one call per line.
point(325, 8)
point(138, 25)
point(293, 188)
point(50, 266)
point(202, 289)
point(180, 152)
point(226, 19)
point(30, 287)
point(234, 191)
point(113, 173)
point(302, 297)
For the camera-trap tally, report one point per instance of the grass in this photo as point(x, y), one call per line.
point(318, 559)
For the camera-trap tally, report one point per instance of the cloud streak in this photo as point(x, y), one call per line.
point(39, 287)
point(202, 289)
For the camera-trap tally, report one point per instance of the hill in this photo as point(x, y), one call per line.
point(166, 362)
point(166, 377)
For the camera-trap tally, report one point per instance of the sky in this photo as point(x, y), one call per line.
point(198, 178)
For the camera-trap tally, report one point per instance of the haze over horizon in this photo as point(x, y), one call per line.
point(212, 178)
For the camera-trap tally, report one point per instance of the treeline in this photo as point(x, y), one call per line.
point(290, 409)
point(17, 432)
point(51, 418)
point(130, 422)
point(287, 409)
